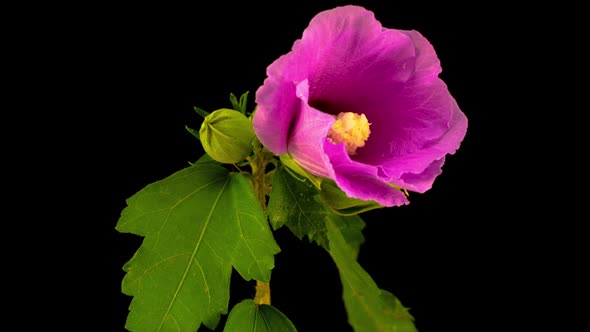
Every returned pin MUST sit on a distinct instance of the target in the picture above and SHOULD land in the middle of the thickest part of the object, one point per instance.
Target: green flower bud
(227, 135)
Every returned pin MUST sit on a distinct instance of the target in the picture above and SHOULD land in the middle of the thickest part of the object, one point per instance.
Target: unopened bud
(227, 135)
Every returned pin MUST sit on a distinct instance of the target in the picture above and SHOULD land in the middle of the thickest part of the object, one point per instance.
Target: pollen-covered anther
(352, 129)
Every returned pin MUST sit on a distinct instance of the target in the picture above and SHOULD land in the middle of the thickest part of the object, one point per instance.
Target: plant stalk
(261, 188)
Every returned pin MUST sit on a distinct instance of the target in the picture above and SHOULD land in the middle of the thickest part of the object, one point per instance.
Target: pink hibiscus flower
(362, 105)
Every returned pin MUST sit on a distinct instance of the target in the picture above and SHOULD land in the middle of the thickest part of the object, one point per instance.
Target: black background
(454, 255)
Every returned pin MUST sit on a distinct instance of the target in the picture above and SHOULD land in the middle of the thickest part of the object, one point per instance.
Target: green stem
(262, 188)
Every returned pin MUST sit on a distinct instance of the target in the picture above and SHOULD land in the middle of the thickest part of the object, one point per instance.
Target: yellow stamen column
(352, 129)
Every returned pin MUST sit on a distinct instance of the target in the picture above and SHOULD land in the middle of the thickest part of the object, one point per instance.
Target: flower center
(352, 129)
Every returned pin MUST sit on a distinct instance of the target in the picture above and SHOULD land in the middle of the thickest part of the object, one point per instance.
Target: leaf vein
(260, 268)
(301, 209)
(195, 250)
(171, 208)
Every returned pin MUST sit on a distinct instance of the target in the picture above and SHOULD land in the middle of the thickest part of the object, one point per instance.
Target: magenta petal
(418, 119)
(277, 107)
(420, 182)
(423, 181)
(349, 52)
(308, 134)
(360, 180)
(427, 63)
(410, 119)
(417, 171)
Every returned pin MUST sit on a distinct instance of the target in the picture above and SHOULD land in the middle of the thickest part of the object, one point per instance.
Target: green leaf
(296, 203)
(247, 316)
(200, 111)
(235, 104)
(197, 224)
(369, 308)
(351, 229)
(242, 104)
(193, 132)
(244, 101)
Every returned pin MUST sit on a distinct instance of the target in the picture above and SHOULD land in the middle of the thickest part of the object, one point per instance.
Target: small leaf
(369, 308)
(241, 105)
(234, 102)
(244, 102)
(200, 111)
(193, 132)
(247, 316)
(197, 224)
(296, 204)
